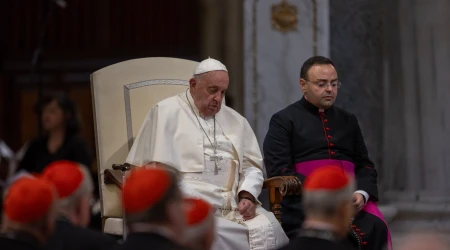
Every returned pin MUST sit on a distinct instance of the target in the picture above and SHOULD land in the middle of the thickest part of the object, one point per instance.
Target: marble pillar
(222, 40)
(417, 126)
(272, 59)
(356, 47)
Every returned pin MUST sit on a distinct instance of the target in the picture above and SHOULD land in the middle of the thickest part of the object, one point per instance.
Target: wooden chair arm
(287, 185)
(278, 187)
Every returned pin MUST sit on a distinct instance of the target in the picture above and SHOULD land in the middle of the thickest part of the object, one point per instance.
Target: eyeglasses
(324, 84)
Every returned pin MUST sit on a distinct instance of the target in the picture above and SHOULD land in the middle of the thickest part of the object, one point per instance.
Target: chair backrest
(122, 94)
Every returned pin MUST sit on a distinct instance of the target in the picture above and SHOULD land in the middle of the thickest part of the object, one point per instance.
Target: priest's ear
(303, 84)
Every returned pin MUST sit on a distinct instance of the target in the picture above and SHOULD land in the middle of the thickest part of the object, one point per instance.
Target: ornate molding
(284, 17)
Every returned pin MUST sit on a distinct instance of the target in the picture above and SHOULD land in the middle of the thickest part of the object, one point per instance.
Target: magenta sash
(306, 168)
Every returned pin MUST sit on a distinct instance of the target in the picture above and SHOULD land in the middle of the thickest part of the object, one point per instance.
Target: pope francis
(216, 155)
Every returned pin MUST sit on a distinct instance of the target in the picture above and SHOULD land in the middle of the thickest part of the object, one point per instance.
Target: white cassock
(172, 134)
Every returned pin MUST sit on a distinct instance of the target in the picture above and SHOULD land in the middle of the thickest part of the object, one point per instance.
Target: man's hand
(358, 201)
(247, 209)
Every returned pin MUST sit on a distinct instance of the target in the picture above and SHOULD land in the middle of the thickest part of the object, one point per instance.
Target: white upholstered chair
(122, 94)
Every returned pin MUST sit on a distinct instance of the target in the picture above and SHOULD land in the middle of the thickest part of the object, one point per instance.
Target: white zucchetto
(209, 65)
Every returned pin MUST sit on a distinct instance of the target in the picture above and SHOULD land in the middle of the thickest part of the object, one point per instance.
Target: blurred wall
(80, 39)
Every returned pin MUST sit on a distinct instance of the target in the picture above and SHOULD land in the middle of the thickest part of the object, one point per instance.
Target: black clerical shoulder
(19, 241)
(144, 241)
(68, 236)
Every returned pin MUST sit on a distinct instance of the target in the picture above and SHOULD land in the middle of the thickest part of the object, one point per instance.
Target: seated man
(154, 211)
(29, 214)
(312, 133)
(328, 205)
(216, 155)
(75, 188)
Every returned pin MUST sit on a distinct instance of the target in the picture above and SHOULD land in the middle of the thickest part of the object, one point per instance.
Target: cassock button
(332, 152)
(329, 137)
(326, 120)
(328, 129)
(331, 144)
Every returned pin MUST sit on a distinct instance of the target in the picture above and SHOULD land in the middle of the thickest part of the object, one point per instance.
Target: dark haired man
(313, 133)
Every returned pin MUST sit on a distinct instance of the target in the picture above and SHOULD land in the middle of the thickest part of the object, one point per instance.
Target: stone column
(417, 117)
(233, 48)
(418, 92)
(356, 49)
(211, 35)
(222, 39)
(272, 59)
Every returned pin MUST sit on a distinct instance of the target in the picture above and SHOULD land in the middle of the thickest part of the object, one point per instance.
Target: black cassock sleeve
(365, 173)
(277, 148)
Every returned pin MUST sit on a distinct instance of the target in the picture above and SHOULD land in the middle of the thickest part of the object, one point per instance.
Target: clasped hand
(247, 209)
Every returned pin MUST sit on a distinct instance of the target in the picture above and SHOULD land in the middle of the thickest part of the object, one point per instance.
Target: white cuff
(364, 193)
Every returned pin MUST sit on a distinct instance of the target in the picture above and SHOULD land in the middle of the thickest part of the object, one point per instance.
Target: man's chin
(327, 104)
(212, 111)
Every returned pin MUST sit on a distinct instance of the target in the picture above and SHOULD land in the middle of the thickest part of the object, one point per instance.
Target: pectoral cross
(216, 160)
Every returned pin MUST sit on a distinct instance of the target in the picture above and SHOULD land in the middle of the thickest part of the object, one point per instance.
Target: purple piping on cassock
(306, 168)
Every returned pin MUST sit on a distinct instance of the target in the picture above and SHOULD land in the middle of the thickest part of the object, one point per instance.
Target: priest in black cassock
(328, 206)
(312, 133)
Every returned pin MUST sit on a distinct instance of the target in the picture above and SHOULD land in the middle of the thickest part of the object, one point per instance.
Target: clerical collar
(310, 107)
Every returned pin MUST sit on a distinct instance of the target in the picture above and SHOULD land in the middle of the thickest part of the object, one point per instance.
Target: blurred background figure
(60, 139)
(29, 214)
(75, 188)
(200, 224)
(328, 206)
(424, 241)
(154, 211)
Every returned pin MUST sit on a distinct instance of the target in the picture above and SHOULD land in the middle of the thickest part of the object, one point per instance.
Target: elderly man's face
(321, 85)
(208, 91)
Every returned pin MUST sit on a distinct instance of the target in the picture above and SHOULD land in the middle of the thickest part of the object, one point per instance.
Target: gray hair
(325, 203)
(196, 234)
(86, 188)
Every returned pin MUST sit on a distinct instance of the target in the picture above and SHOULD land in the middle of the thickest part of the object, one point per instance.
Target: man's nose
(218, 97)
